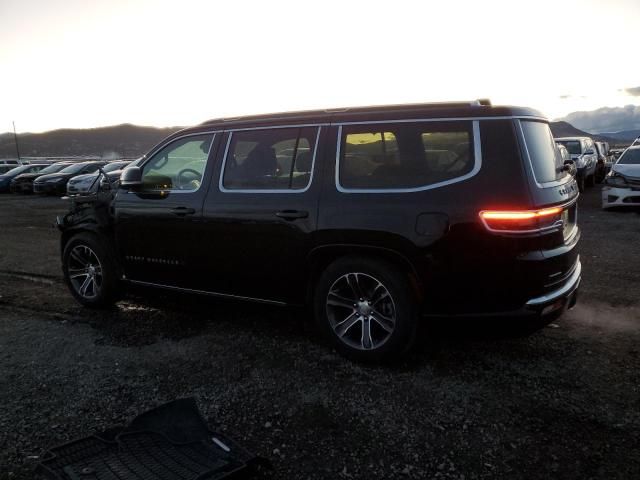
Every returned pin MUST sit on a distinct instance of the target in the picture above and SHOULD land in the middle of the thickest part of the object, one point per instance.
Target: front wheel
(580, 180)
(90, 271)
(366, 308)
(590, 180)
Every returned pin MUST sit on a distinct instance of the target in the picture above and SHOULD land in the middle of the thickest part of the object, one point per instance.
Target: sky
(81, 63)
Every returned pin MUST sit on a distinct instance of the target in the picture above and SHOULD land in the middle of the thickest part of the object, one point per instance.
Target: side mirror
(131, 179)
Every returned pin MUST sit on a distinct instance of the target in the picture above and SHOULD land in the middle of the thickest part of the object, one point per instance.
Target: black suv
(376, 217)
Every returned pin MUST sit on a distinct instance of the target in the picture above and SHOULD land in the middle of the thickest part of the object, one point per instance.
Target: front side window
(270, 159)
(404, 155)
(179, 165)
(546, 161)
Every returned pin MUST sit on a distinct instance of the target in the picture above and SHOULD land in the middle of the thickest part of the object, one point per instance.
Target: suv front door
(156, 227)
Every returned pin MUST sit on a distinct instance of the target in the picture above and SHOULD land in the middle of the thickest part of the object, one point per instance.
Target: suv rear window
(545, 159)
(404, 155)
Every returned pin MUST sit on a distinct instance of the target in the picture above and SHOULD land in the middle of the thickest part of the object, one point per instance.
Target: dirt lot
(471, 402)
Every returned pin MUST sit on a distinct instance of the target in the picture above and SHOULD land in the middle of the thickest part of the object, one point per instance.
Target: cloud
(606, 119)
(567, 96)
(633, 91)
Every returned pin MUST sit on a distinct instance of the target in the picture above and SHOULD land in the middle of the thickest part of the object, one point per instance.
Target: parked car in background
(23, 183)
(6, 168)
(603, 164)
(355, 213)
(82, 184)
(5, 178)
(564, 153)
(56, 183)
(622, 184)
(615, 153)
(583, 153)
(12, 162)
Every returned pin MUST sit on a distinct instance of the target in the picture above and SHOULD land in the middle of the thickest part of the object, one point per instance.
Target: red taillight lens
(521, 221)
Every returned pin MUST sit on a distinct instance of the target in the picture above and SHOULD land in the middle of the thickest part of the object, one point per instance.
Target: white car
(622, 184)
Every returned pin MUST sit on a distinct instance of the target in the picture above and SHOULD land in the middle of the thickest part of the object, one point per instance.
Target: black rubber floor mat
(171, 442)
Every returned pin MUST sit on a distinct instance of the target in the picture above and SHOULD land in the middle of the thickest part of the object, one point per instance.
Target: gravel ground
(473, 401)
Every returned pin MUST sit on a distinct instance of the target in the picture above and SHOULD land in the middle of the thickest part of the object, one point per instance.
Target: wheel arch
(321, 257)
(87, 227)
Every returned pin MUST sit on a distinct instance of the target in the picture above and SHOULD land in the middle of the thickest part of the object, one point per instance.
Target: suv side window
(178, 165)
(404, 155)
(271, 159)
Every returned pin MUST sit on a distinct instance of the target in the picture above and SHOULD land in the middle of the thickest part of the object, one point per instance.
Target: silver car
(83, 184)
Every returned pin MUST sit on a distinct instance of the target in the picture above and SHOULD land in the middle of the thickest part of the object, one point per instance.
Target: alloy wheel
(85, 271)
(361, 311)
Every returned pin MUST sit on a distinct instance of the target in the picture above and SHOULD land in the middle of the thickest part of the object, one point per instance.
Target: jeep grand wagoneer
(376, 217)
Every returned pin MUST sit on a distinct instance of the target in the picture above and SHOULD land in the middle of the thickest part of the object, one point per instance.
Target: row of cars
(59, 178)
(617, 169)
(593, 160)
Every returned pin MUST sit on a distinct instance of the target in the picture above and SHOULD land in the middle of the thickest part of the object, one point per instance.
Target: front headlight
(52, 180)
(615, 180)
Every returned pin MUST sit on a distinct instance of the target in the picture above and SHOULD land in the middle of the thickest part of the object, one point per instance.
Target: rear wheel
(90, 271)
(366, 308)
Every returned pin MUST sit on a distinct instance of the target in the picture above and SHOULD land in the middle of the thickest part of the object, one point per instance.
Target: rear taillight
(522, 221)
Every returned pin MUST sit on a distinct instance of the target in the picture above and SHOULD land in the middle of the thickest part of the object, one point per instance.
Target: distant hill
(565, 129)
(624, 136)
(118, 141)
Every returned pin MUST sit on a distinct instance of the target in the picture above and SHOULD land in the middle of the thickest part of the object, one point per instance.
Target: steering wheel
(183, 182)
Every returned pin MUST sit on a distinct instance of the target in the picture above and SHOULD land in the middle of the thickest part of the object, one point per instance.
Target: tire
(580, 180)
(388, 311)
(590, 180)
(90, 270)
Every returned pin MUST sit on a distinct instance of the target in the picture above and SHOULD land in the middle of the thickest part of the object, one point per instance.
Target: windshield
(630, 157)
(15, 171)
(75, 168)
(53, 168)
(110, 167)
(545, 158)
(573, 146)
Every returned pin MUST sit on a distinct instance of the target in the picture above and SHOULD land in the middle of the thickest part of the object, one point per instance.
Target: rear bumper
(564, 296)
(620, 197)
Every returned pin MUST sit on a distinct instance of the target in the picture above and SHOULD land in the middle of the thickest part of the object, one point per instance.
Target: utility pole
(15, 135)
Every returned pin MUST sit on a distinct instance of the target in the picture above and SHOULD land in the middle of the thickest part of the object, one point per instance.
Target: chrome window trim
(477, 154)
(554, 183)
(223, 189)
(444, 119)
(269, 127)
(169, 142)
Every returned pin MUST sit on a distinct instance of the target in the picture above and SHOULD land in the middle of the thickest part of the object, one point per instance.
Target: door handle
(180, 211)
(292, 214)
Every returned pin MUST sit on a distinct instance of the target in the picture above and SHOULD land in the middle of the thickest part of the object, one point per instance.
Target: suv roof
(572, 138)
(475, 108)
